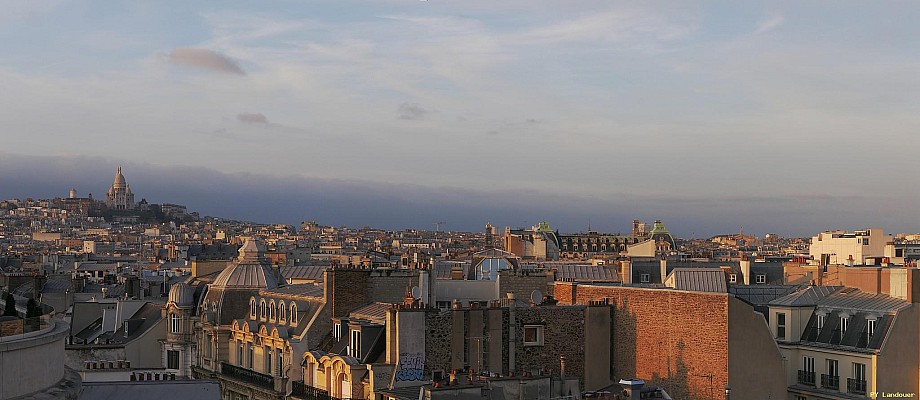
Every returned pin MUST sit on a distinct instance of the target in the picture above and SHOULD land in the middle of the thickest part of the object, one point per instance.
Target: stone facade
(492, 339)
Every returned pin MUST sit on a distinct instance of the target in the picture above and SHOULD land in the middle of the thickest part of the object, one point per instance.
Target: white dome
(249, 271)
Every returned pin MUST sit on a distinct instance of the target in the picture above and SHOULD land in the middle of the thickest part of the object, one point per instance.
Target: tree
(10, 309)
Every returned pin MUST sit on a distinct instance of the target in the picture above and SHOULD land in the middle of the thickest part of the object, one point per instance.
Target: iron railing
(807, 377)
(248, 376)
(856, 386)
(830, 381)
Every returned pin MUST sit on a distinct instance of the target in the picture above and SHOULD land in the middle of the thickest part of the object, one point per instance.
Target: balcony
(807, 377)
(830, 381)
(856, 386)
(248, 376)
(302, 391)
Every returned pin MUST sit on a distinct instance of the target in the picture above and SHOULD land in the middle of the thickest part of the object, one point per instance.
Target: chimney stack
(746, 269)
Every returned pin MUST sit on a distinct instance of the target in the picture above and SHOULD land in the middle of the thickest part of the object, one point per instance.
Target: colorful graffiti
(411, 367)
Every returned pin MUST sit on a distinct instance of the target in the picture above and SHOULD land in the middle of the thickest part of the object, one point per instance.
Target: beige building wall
(898, 364)
(796, 321)
(755, 363)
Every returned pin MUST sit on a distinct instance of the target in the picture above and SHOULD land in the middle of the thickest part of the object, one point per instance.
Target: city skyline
(786, 118)
(290, 200)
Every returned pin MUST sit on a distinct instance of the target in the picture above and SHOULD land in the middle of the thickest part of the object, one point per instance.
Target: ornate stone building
(119, 196)
(180, 349)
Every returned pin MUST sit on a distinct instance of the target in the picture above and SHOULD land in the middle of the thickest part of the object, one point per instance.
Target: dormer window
(271, 310)
(820, 321)
(337, 331)
(252, 308)
(262, 309)
(761, 278)
(294, 314)
(282, 310)
(844, 323)
(354, 349)
(870, 329)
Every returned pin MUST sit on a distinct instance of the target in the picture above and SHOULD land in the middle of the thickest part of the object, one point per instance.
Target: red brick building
(692, 344)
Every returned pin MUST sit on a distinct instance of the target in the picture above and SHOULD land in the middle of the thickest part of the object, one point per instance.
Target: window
(279, 362)
(249, 356)
(294, 314)
(808, 364)
(262, 308)
(761, 278)
(443, 305)
(533, 335)
(821, 318)
(337, 331)
(172, 359)
(732, 278)
(239, 355)
(283, 311)
(355, 349)
(175, 323)
(844, 322)
(252, 308)
(870, 329)
(271, 310)
(832, 368)
(644, 278)
(859, 371)
(797, 397)
(267, 359)
(781, 326)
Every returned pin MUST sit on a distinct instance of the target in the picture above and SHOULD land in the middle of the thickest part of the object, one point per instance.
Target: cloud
(204, 59)
(411, 111)
(772, 22)
(252, 118)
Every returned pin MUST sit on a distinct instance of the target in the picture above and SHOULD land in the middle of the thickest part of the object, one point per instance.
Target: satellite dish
(416, 293)
(536, 297)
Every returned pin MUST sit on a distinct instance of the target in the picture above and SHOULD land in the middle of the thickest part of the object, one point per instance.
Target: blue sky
(671, 103)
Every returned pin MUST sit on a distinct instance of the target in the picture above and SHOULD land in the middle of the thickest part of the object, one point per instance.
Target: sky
(784, 117)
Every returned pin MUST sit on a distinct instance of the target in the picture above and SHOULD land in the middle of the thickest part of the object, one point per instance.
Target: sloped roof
(855, 299)
(699, 280)
(314, 272)
(586, 273)
(374, 312)
(761, 294)
(806, 296)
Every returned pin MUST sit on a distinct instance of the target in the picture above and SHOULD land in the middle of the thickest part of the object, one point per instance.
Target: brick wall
(524, 285)
(346, 289)
(390, 286)
(674, 339)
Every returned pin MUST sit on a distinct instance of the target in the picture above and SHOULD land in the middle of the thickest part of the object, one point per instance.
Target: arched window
(262, 308)
(282, 310)
(271, 310)
(252, 308)
(294, 314)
